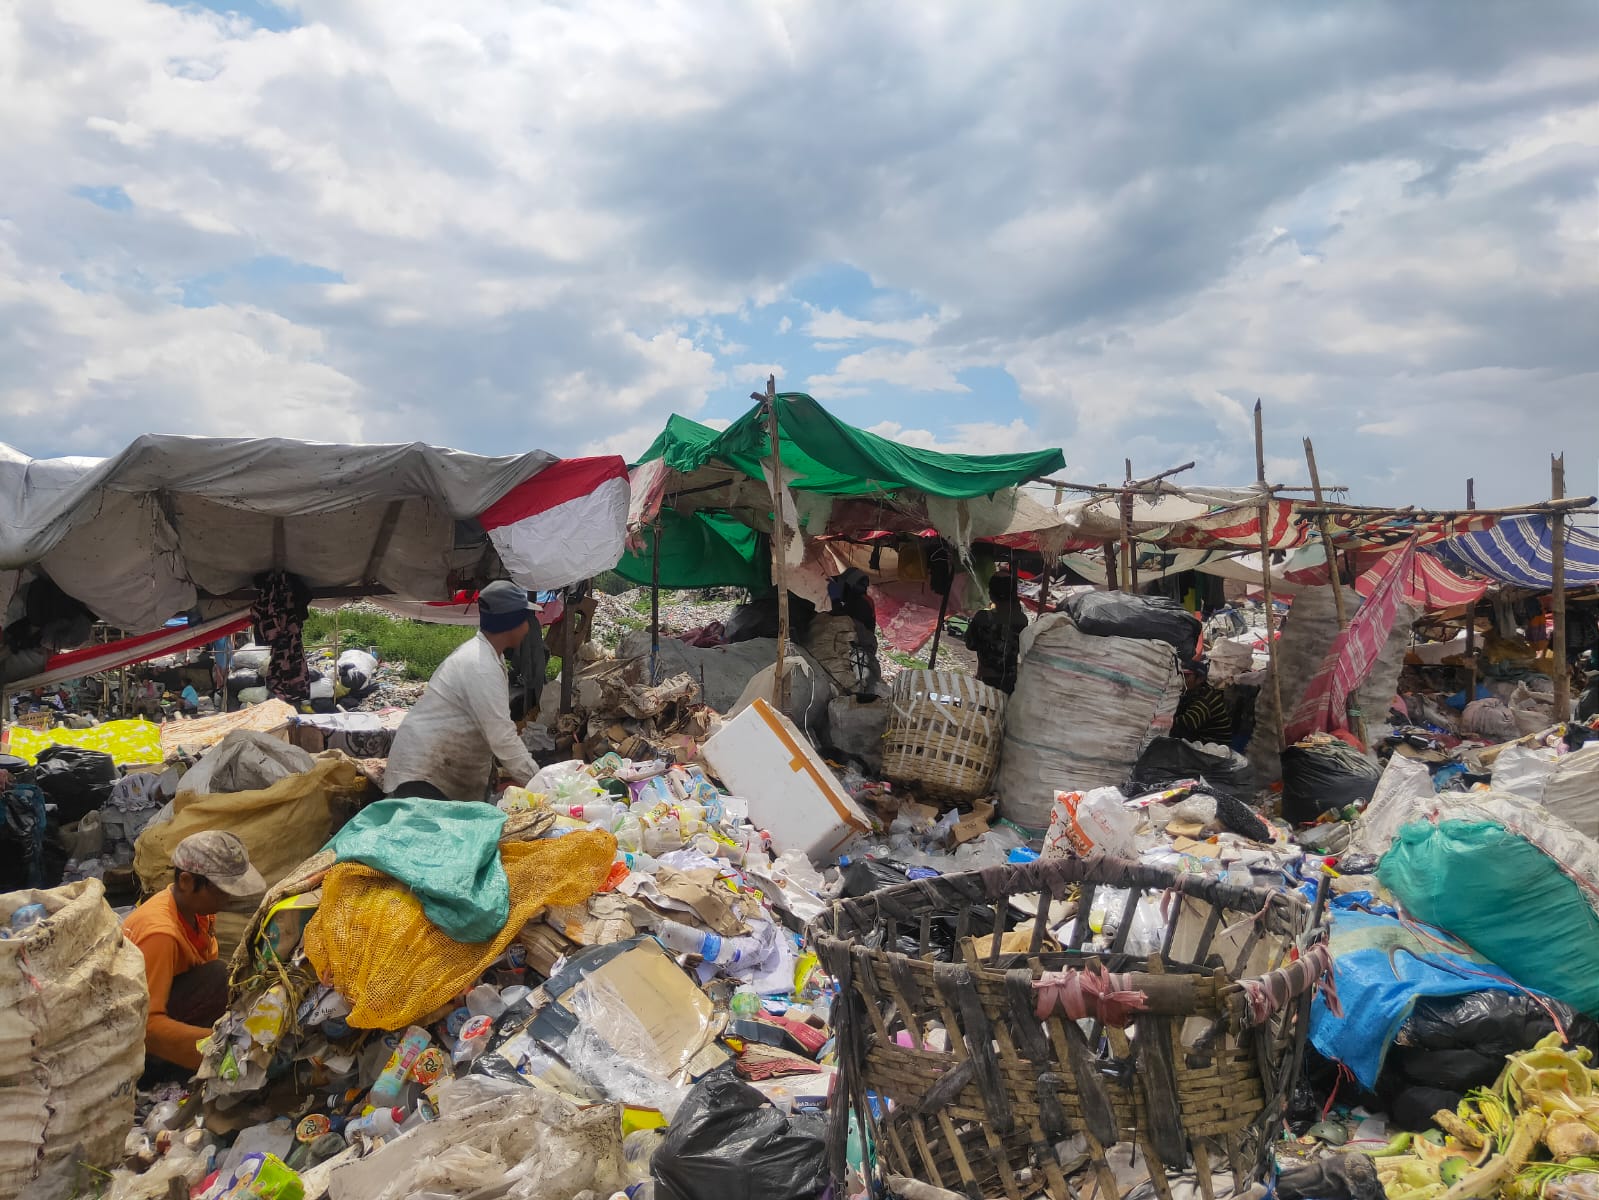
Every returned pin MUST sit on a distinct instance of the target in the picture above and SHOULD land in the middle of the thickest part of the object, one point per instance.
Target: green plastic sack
(1505, 898)
(446, 851)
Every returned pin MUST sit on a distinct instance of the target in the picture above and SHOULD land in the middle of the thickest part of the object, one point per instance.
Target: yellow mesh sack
(370, 939)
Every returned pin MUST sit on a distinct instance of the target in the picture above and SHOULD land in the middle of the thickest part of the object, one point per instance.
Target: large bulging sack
(75, 779)
(1505, 898)
(73, 1004)
(1150, 618)
(1083, 709)
(1307, 634)
(1325, 778)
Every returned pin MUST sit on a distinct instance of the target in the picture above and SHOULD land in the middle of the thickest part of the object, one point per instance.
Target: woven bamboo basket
(1021, 1065)
(943, 734)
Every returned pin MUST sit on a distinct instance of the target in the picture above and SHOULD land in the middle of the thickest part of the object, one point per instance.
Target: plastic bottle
(379, 1123)
(603, 812)
(682, 939)
(638, 861)
(746, 1002)
(391, 1082)
(27, 917)
(629, 833)
(638, 1148)
(484, 1001)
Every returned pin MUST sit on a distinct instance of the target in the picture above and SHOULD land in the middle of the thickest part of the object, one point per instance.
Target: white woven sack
(73, 1004)
(1083, 710)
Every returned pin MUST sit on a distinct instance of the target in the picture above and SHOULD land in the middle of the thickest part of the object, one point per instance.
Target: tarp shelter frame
(786, 467)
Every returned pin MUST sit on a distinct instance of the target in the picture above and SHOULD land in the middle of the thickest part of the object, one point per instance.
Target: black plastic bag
(727, 1141)
(1494, 1024)
(75, 780)
(1347, 1176)
(1413, 1107)
(33, 853)
(1166, 760)
(1152, 618)
(1318, 779)
(870, 875)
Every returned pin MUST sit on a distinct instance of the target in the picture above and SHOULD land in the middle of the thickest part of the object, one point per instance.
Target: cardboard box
(762, 758)
(974, 824)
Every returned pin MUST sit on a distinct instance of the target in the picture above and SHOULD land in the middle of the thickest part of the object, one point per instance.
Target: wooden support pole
(1110, 566)
(655, 603)
(1471, 616)
(1265, 577)
(779, 549)
(938, 629)
(1557, 577)
(1357, 719)
(569, 647)
(1129, 572)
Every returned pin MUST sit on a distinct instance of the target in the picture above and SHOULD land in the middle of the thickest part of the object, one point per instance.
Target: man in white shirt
(447, 746)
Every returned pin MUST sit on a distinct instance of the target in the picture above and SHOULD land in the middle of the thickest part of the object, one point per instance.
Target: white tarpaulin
(139, 536)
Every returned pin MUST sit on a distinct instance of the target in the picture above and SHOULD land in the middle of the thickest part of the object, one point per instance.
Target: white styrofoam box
(763, 758)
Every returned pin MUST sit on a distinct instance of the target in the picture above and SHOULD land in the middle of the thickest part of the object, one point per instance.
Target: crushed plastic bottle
(746, 1002)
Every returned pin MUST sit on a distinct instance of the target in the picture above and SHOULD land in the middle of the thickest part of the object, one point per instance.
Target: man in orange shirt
(174, 930)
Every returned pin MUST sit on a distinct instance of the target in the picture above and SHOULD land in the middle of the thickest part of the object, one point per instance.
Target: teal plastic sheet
(1505, 898)
(446, 851)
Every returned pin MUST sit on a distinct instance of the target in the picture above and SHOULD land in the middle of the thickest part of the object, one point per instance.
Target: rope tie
(1102, 996)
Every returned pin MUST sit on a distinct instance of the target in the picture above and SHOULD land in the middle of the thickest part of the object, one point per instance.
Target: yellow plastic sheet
(371, 940)
(129, 743)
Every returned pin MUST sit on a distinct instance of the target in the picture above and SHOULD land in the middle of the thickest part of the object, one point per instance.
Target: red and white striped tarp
(1352, 655)
(1430, 586)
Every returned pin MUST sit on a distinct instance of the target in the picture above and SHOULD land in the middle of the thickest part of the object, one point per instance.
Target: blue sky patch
(112, 198)
(260, 13)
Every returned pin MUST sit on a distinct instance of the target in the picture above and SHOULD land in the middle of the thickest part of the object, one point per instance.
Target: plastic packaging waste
(473, 1040)
(485, 1001)
(727, 1129)
(746, 1002)
(391, 1081)
(26, 917)
(637, 1150)
(379, 1123)
(1089, 825)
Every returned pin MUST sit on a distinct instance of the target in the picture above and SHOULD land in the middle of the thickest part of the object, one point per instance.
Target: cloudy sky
(498, 224)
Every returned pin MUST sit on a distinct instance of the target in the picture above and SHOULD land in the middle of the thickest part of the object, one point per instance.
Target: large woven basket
(1016, 1069)
(943, 735)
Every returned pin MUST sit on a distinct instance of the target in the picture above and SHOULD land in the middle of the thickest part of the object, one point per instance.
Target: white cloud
(980, 437)
(544, 218)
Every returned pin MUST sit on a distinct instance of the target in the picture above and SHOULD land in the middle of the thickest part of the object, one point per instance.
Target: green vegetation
(420, 646)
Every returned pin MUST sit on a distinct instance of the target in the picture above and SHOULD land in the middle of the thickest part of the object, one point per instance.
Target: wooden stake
(569, 647)
(1557, 576)
(1265, 576)
(1471, 616)
(779, 550)
(1129, 570)
(1110, 566)
(1357, 720)
(938, 629)
(655, 604)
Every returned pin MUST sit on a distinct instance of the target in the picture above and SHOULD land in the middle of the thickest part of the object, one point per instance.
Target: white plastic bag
(245, 761)
(1090, 825)
(1524, 771)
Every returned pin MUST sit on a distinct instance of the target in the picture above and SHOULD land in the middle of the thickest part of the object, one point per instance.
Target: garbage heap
(598, 986)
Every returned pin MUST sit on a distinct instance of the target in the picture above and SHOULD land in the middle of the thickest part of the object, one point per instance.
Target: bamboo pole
(779, 550)
(1564, 505)
(1129, 581)
(1265, 576)
(1357, 719)
(1471, 616)
(938, 629)
(1557, 577)
(569, 647)
(655, 604)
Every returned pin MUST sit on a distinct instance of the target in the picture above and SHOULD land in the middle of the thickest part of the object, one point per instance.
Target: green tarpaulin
(826, 455)
(702, 549)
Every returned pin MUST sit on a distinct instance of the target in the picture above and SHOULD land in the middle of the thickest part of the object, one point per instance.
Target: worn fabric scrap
(371, 940)
(447, 853)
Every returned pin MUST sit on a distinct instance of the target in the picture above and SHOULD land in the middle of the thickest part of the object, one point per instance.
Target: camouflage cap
(221, 858)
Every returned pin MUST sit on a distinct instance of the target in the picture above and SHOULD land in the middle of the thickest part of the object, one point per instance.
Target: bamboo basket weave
(943, 734)
(1178, 1061)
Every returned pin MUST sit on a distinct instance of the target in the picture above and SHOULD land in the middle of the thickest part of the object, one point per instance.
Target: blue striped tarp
(1517, 551)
